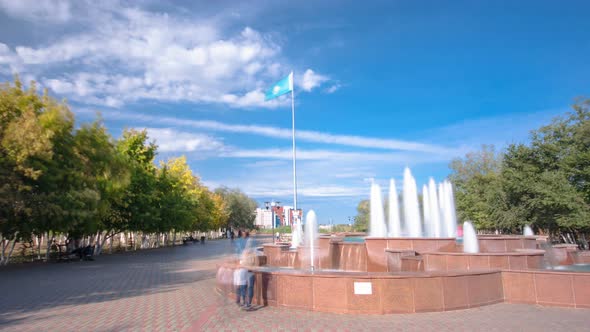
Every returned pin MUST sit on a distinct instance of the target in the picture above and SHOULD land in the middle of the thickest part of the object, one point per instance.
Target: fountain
(470, 244)
(377, 222)
(311, 236)
(296, 234)
(449, 210)
(433, 207)
(411, 208)
(438, 210)
(395, 229)
(428, 222)
(414, 270)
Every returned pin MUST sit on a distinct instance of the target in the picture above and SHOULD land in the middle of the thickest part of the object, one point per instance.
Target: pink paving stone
(172, 289)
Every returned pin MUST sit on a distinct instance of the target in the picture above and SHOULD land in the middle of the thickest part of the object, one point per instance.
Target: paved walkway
(173, 289)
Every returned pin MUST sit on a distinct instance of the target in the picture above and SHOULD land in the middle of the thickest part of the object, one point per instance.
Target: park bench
(80, 253)
(189, 239)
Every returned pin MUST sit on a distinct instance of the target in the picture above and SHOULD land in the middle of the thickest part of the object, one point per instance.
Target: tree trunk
(101, 240)
(563, 237)
(40, 237)
(97, 244)
(3, 249)
(49, 242)
(174, 239)
(111, 245)
(7, 258)
(569, 237)
(123, 240)
(104, 238)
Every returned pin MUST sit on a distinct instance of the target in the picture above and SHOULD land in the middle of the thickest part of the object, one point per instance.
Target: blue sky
(379, 85)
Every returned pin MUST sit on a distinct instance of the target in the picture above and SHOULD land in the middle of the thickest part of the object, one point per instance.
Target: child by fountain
(250, 289)
(240, 283)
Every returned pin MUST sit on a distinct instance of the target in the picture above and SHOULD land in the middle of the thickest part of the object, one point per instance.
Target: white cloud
(117, 55)
(284, 190)
(9, 61)
(311, 80)
(284, 133)
(337, 156)
(171, 140)
(333, 88)
(56, 11)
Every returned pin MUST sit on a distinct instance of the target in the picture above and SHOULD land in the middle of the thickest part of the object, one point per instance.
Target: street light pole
(277, 205)
(272, 214)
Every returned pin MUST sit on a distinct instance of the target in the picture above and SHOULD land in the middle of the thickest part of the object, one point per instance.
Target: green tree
(106, 172)
(24, 143)
(140, 202)
(546, 182)
(240, 207)
(478, 188)
(361, 220)
(179, 199)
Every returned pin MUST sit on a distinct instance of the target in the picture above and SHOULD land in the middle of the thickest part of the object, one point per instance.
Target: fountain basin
(375, 292)
(517, 260)
(377, 257)
(573, 268)
(410, 292)
(544, 287)
(353, 239)
(495, 243)
(406, 275)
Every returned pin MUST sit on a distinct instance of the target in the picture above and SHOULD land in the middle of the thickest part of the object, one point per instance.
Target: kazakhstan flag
(280, 88)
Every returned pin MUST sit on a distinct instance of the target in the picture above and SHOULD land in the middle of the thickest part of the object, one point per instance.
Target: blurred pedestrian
(251, 280)
(240, 283)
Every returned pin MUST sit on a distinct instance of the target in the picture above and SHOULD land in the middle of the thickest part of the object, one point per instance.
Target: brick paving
(173, 289)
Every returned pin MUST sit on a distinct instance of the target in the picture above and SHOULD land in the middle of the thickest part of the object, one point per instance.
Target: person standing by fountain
(250, 290)
(240, 282)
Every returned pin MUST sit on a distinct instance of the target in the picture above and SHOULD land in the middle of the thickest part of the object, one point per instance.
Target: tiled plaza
(173, 289)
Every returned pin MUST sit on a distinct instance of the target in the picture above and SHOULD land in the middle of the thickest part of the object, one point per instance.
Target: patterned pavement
(173, 289)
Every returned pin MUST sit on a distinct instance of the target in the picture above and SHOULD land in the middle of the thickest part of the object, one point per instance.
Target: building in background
(295, 214)
(284, 215)
(263, 218)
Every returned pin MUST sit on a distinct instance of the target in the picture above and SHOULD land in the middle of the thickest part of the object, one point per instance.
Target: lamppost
(267, 206)
(272, 206)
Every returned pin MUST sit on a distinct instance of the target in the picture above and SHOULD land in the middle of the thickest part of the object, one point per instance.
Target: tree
(546, 183)
(478, 191)
(46, 190)
(140, 203)
(106, 171)
(179, 200)
(240, 207)
(361, 220)
(24, 143)
(220, 213)
(82, 184)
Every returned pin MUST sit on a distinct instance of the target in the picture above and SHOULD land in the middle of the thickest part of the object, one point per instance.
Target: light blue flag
(280, 88)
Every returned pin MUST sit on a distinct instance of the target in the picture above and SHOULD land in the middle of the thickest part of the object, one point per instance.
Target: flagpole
(294, 153)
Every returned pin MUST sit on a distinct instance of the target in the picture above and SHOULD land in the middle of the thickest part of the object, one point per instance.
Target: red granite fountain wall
(405, 275)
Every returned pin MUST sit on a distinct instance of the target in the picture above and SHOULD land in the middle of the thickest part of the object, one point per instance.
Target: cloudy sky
(379, 85)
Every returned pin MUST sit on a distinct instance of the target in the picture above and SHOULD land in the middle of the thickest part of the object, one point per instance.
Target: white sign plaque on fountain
(363, 288)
